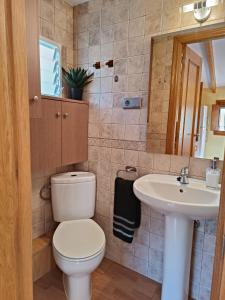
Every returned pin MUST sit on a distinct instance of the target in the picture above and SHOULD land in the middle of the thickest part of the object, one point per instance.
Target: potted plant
(76, 79)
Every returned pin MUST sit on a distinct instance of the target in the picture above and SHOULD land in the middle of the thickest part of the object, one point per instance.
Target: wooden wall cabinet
(64, 132)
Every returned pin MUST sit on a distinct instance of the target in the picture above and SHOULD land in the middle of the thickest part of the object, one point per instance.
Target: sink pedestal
(177, 257)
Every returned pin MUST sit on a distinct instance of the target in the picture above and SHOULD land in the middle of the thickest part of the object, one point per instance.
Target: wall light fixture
(201, 9)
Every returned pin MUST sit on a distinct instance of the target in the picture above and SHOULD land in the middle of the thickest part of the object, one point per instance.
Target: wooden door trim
(15, 173)
(189, 55)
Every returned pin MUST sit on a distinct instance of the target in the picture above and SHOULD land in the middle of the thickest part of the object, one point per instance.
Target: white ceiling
(219, 61)
(76, 2)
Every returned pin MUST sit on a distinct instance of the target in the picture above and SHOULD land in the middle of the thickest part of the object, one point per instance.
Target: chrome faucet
(183, 178)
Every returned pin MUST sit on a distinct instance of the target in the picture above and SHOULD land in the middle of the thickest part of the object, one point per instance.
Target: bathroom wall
(56, 23)
(122, 30)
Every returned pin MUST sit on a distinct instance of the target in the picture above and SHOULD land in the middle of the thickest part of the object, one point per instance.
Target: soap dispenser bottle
(213, 174)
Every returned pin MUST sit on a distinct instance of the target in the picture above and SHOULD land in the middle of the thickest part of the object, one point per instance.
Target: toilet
(78, 242)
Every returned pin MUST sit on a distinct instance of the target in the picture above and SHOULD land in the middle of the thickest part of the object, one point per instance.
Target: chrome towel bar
(128, 169)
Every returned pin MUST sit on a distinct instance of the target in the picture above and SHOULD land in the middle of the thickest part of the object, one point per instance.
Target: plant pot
(75, 93)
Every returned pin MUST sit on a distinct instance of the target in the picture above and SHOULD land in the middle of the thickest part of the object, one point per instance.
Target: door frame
(15, 171)
(179, 45)
(196, 60)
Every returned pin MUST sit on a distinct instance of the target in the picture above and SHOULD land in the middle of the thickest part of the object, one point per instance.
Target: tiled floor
(110, 282)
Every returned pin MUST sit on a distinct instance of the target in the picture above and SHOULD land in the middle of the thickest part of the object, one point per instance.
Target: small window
(222, 119)
(50, 65)
(218, 117)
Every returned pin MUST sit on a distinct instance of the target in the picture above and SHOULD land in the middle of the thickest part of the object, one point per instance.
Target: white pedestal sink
(181, 204)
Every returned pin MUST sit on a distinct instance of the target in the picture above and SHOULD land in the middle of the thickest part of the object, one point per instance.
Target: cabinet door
(33, 63)
(52, 122)
(74, 132)
(46, 138)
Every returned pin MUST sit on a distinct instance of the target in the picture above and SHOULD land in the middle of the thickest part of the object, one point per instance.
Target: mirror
(187, 96)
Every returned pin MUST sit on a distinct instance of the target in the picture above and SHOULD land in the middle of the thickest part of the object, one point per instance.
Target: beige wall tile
(153, 24)
(161, 162)
(120, 67)
(121, 84)
(136, 46)
(120, 31)
(171, 19)
(61, 5)
(132, 132)
(94, 37)
(47, 12)
(83, 40)
(47, 29)
(137, 27)
(60, 19)
(120, 49)
(107, 34)
(121, 13)
(107, 53)
(137, 8)
(198, 167)
(136, 65)
(118, 131)
(178, 162)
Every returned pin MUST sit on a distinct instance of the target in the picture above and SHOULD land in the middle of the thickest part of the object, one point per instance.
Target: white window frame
(60, 61)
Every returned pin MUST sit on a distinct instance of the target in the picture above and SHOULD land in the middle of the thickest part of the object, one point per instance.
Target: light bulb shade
(200, 5)
(202, 14)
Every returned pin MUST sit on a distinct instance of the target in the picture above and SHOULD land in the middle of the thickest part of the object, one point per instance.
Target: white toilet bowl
(78, 248)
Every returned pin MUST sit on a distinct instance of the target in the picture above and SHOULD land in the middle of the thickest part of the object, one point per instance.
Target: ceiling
(76, 2)
(219, 61)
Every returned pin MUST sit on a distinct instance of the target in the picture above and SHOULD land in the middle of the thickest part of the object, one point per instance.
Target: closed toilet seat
(79, 240)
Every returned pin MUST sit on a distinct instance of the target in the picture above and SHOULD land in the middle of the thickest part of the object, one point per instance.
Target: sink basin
(166, 195)
(181, 204)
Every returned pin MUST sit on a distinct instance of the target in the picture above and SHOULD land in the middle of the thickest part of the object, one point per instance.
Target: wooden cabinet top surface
(84, 102)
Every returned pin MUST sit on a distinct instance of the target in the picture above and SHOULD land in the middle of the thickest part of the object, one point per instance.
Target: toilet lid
(78, 239)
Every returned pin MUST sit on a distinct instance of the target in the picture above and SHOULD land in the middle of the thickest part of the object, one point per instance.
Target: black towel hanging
(127, 210)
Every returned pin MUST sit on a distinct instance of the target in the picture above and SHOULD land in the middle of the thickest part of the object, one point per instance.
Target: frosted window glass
(222, 119)
(50, 65)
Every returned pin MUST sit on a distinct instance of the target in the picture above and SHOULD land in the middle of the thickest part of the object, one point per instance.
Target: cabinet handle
(65, 115)
(58, 114)
(36, 98)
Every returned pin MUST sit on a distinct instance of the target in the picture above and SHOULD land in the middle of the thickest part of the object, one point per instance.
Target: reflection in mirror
(194, 125)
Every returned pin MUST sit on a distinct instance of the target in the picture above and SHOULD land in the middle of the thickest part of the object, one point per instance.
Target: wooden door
(33, 61)
(52, 135)
(15, 175)
(74, 132)
(190, 102)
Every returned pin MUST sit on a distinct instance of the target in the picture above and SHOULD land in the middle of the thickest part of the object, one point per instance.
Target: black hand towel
(127, 210)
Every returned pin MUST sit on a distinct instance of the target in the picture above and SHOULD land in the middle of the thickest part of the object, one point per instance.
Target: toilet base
(77, 288)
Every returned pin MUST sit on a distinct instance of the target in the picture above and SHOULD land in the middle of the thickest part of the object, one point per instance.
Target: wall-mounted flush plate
(131, 103)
